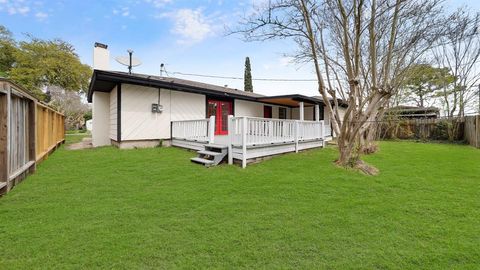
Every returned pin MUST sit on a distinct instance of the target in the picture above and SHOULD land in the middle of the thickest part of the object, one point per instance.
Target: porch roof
(291, 100)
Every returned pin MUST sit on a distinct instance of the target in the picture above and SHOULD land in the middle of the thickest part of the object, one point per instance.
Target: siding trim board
(119, 112)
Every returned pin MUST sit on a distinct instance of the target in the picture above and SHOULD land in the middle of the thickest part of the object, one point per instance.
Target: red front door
(221, 110)
(267, 111)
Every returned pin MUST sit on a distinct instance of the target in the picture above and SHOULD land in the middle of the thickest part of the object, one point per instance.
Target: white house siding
(140, 123)
(113, 114)
(248, 108)
(188, 106)
(101, 119)
(255, 109)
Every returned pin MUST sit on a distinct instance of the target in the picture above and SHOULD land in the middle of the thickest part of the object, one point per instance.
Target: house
(413, 112)
(138, 110)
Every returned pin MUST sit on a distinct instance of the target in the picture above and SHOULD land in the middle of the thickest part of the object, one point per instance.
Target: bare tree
(358, 49)
(459, 50)
(69, 103)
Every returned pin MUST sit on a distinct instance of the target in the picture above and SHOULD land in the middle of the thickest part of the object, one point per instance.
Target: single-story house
(138, 110)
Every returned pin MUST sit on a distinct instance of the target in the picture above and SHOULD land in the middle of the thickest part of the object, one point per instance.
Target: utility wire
(241, 78)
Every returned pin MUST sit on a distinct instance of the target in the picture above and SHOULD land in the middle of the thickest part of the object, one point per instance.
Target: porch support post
(296, 136)
(244, 142)
(230, 139)
(211, 129)
(317, 112)
(301, 111)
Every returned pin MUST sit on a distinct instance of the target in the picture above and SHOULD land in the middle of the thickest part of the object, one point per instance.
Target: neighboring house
(137, 110)
(89, 124)
(413, 112)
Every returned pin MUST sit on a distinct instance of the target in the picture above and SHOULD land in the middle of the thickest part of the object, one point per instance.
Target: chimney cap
(101, 45)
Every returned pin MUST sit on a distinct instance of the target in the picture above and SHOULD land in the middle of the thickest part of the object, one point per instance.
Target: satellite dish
(125, 60)
(128, 61)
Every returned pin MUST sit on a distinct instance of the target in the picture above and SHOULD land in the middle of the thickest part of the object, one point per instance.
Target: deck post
(211, 129)
(230, 139)
(301, 111)
(244, 142)
(323, 133)
(296, 136)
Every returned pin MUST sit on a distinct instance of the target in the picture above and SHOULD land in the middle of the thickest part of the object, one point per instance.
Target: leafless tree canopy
(358, 49)
(70, 103)
(459, 51)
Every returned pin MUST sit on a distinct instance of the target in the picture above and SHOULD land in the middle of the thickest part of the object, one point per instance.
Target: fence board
(472, 130)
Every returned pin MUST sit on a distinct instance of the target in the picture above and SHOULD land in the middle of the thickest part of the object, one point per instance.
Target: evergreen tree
(248, 86)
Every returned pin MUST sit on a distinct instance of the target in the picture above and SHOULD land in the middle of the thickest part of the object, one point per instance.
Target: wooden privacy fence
(422, 129)
(50, 130)
(459, 129)
(472, 130)
(29, 131)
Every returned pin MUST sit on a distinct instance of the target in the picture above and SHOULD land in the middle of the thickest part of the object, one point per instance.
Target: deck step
(210, 153)
(204, 161)
(217, 146)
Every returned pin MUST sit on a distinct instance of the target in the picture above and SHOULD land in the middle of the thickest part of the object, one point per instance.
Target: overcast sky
(188, 36)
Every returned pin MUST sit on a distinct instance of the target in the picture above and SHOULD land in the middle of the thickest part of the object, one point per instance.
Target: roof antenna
(128, 61)
(163, 69)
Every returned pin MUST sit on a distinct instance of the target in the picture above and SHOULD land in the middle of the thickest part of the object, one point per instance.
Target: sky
(187, 36)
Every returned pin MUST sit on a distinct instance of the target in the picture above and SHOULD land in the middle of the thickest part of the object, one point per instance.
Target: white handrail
(194, 130)
(249, 131)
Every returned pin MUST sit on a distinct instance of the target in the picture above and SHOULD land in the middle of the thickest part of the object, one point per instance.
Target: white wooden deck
(251, 137)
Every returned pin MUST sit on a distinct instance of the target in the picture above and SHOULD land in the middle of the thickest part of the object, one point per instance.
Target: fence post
(9, 126)
(211, 129)
(478, 131)
(296, 135)
(230, 139)
(4, 122)
(244, 142)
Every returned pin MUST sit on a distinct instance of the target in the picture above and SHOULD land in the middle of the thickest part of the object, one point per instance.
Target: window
(282, 113)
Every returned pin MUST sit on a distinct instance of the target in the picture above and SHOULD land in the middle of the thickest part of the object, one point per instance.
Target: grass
(75, 137)
(152, 208)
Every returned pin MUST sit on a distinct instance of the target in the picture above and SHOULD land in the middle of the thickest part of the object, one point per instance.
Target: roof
(413, 111)
(340, 101)
(290, 100)
(104, 81)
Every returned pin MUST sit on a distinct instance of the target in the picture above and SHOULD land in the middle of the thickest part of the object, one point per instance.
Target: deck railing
(201, 130)
(254, 134)
(261, 131)
(247, 132)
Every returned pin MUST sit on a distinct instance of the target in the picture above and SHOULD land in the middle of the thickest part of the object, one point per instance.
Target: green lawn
(152, 208)
(75, 137)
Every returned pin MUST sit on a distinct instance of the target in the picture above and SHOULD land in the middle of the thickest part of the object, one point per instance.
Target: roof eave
(124, 78)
